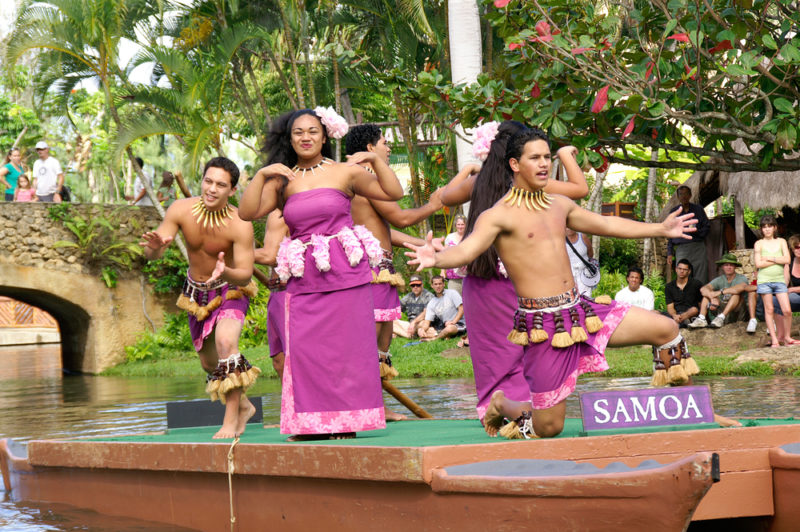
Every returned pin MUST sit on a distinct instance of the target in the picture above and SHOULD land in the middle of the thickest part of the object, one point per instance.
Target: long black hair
(491, 184)
(278, 145)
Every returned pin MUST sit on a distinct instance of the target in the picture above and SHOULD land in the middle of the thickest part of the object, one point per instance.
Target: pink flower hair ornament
(484, 135)
(334, 123)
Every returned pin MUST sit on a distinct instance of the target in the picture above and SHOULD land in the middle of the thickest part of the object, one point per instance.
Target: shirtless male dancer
(527, 227)
(218, 283)
(376, 215)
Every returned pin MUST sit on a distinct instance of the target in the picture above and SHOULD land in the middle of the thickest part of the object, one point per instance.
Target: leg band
(232, 372)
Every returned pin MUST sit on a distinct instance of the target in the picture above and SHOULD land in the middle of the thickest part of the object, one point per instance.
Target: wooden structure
(17, 314)
(619, 208)
(453, 477)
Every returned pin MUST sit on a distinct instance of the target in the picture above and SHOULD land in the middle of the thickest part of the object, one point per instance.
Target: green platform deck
(411, 433)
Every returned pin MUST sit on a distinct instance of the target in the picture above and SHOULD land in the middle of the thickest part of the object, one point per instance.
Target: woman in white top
(582, 245)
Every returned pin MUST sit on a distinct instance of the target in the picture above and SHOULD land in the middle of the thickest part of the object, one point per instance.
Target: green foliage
(640, 73)
(618, 254)
(97, 240)
(168, 272)
(173, 337)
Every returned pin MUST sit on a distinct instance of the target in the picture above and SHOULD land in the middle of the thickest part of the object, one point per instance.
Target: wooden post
(739, 223)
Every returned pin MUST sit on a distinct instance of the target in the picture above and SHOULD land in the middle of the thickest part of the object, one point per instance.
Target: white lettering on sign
(597, 408)
(691, 404)
(648, 410)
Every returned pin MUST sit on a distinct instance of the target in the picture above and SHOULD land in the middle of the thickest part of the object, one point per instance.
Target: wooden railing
(15, 313)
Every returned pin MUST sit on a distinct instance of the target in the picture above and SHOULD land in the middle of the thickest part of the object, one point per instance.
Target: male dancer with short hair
(218, 285)
(377, 215)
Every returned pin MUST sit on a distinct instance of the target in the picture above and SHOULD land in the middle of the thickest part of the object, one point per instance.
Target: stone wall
(27, 233)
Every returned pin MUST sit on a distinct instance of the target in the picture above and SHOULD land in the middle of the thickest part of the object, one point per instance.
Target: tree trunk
(465, 57)
(596, 205)
(287, 35)
(738, 221)
(649, 210)
(278, 68)
(408, 136)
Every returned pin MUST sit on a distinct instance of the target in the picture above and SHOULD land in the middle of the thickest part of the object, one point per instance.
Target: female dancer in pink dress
(331, 379)
(489, 297)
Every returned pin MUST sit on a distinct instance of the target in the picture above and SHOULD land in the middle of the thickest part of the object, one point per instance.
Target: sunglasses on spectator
(415, 284)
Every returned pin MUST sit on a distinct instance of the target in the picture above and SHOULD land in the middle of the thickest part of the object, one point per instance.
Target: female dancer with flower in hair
(331, 380)
(489, 297)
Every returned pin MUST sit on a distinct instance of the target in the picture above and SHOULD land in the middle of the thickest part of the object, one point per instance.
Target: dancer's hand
(219, 268)
(361, 157)
(567, 151)
(679, 226)
(276, 170)
(438, 243)
(154, 241)
(424, 256)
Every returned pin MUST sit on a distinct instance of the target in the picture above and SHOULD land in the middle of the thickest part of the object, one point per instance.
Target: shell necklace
(324, 161)
(205, 217)
(539, 200)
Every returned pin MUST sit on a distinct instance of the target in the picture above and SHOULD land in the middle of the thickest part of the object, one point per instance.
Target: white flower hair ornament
(334, 123)
(484, 135)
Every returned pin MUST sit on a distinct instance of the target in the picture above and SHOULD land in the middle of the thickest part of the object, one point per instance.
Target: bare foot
(726, 421)
(246, 411)
(228, 430)
(343, 436)
(493, 418)
(392, 415)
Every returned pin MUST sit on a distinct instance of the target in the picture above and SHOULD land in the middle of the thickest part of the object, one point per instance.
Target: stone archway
(73, 322)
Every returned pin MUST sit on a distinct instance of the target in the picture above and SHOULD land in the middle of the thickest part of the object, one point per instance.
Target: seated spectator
(413, 304)
(635, 293)
(726, 293)
(683, 294)
(444, 315)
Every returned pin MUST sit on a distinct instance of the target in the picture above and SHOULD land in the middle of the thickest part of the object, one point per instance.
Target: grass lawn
(424, 359)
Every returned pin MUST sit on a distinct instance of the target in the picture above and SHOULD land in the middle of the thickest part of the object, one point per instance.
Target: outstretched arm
(382, 186)
(400, 240)
(261, 194)
(486, 229)
(399, 217)
(459, 189)
(673, 226)
(575, 187)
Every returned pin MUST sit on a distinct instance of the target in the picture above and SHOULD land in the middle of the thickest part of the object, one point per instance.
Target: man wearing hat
(413, 304)
(726, 292)
(48, 178)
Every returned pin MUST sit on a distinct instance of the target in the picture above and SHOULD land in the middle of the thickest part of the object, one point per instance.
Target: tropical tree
(79, 41)
(716, 81)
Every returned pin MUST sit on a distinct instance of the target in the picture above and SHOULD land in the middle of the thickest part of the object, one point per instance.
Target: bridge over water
(96, 322)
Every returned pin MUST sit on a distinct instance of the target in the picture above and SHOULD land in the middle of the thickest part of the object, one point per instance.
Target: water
(37, 402)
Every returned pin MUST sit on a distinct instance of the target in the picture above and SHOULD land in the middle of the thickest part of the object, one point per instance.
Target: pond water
(37, 401)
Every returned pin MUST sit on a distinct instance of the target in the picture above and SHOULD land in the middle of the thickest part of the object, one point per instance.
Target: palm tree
(79, 40)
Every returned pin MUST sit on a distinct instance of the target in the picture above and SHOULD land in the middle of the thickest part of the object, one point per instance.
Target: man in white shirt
(48, 178)
(635, 294)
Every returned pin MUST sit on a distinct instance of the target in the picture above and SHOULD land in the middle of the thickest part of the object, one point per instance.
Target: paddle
(387, 372)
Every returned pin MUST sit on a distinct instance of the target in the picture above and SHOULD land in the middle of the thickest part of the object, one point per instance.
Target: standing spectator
(24, 191)
(693, 250)
(140, 197)
(455, 276)
(48, 177)
(444, 315)
(726, 294)
(683, 294)
(771, 256)
(636, 294)
(579, 250)
(413, 304)
(10, 172)
(792, 276)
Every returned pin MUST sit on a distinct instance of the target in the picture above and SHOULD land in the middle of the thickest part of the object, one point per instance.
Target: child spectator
(771, 256)
(24, 191)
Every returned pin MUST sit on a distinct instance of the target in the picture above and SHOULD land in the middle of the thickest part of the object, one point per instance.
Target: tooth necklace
(324, 160)
(539, 200)
(205, 217)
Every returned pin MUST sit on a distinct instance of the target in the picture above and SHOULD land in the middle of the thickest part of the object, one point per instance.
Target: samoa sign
(649, 407)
